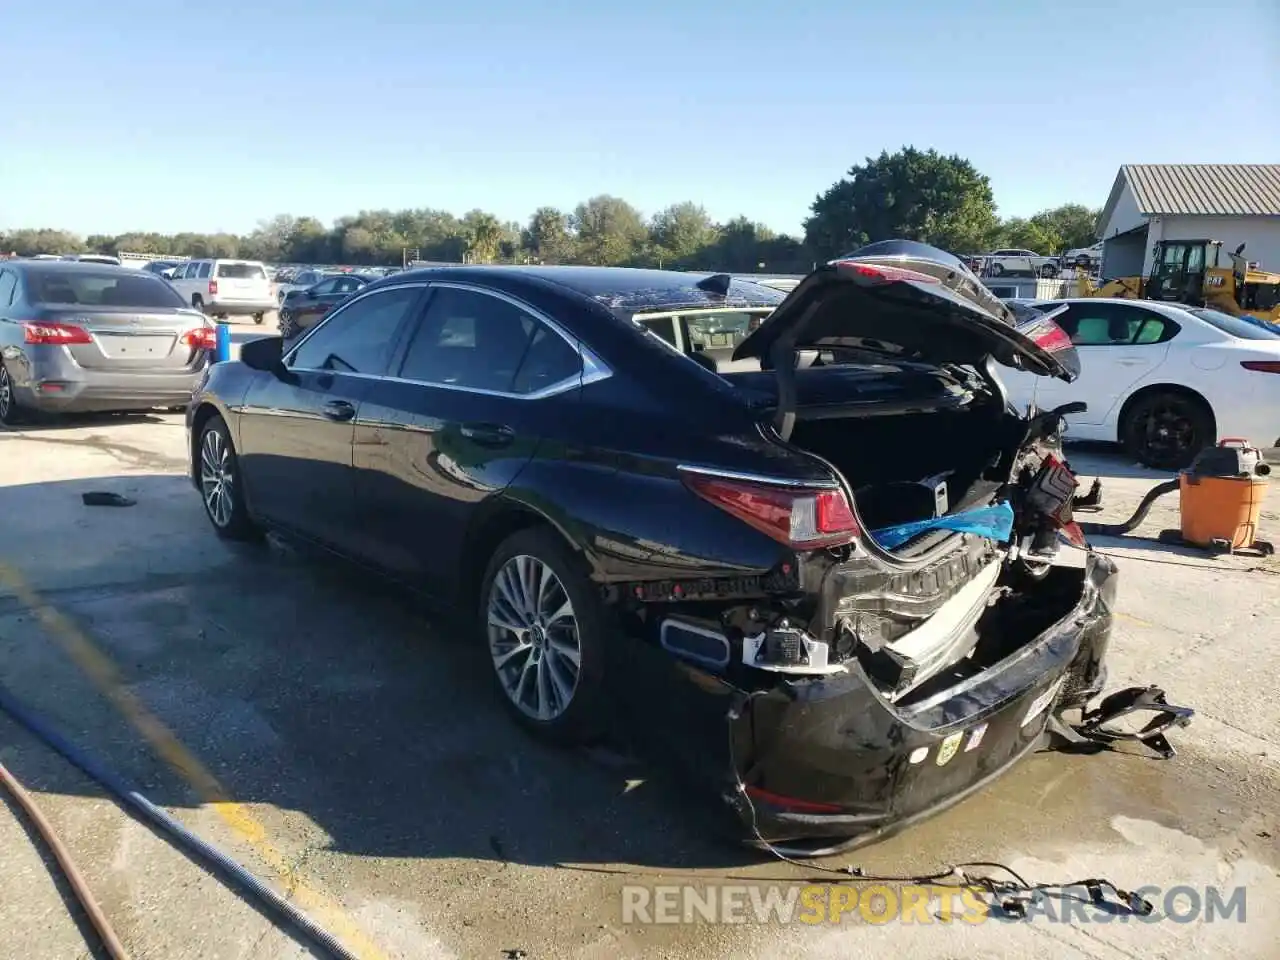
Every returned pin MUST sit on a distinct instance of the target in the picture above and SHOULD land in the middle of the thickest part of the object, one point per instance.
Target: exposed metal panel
(1205, 189)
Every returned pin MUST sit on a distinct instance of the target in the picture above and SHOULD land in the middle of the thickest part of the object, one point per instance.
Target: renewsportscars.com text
(913, 904)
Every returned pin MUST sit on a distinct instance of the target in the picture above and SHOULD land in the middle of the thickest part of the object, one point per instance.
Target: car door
(341, 288)
(482, 380)
(296, 429)
(314, 302)
(1119, 345)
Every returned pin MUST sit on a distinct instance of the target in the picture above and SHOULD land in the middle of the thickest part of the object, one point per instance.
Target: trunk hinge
(782, 356)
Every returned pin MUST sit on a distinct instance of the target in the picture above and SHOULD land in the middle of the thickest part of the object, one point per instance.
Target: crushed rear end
(937, 612)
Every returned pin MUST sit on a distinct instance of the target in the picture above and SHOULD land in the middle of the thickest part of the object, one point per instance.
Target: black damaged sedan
(669, 491)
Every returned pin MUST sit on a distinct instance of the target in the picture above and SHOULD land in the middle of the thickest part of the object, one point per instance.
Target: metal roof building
(1232, 202)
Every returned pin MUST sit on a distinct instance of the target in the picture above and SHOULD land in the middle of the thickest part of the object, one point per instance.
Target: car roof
(624, 290)
(69, 266)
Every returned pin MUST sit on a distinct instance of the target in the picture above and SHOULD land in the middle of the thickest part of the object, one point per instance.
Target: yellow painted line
(104, 675)
(1130, 617)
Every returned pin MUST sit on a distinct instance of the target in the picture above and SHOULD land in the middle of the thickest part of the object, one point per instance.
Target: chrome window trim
(757, 478)
(593, 368)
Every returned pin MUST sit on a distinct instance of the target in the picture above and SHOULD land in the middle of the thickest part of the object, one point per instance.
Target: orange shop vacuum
(1220, 501)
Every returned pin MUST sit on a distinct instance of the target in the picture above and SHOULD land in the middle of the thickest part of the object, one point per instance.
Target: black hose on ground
(229, 870)
(1120, 529)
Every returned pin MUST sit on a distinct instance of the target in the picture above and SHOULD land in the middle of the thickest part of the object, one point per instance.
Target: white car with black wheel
(1165, 380)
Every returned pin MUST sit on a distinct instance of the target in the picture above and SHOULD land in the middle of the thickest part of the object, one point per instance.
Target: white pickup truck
(998, 263)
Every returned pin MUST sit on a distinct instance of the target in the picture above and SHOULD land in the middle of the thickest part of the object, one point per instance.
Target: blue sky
(215, 115)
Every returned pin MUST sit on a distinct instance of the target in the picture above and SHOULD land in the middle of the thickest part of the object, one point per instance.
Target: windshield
(108, 288)
(1240, 327)
(241, 271)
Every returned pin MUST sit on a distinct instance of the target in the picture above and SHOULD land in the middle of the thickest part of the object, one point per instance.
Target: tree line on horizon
(911, 194)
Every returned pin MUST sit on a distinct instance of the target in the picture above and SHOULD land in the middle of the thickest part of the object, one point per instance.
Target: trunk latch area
(1096, 728)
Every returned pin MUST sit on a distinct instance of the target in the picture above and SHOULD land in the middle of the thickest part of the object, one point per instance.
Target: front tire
(288, 325)
(544, 627)
(1166, 430)
(220, 485)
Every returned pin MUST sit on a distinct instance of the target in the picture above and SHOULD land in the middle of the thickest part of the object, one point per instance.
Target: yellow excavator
(1188, 271)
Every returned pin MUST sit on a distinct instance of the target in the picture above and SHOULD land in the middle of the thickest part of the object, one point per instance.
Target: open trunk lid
(911, 301)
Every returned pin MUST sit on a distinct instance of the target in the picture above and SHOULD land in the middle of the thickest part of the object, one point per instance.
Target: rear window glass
(242, 271)
(1235, 326)
(108, 288)
(727, 329)
(721, 328)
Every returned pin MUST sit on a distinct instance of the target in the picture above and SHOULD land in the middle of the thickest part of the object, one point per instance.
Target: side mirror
(267, 354)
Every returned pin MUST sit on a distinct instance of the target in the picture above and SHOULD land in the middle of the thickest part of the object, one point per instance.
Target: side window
(8, 282)
(320, 289)
(359, 338)
(347, 285)
(482, 342)
(1110, 325)
(204, 270)
(548, 361)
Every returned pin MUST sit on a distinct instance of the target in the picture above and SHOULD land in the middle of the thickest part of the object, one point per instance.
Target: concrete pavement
(360, 733)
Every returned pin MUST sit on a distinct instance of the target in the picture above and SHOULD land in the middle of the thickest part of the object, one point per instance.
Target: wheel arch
(502, 516)
(1151, 389)
(202, 414)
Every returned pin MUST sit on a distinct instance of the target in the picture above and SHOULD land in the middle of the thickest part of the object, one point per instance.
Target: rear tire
(1166, 430)
(12, 413)
(221, 490)
(197, 302)
(539, 613)
(259, 317)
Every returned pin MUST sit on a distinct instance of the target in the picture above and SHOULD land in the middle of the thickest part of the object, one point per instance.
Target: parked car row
(1019, 262)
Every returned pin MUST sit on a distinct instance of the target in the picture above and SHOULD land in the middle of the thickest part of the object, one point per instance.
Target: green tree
(609, 231)
(484, 234)
(548, 237)
(911, 194)
(680, 232)
(1072, 223)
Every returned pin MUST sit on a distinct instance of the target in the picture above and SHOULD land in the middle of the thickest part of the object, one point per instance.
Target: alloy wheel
(216, 479)
(533, 638)
(1168, 433)
(6, 394)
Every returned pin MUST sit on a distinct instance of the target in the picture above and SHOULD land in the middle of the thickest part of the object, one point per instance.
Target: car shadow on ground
(309, 685)
(84, 421)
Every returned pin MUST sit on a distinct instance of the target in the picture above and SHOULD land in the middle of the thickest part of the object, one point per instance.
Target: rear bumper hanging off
(1093, 731)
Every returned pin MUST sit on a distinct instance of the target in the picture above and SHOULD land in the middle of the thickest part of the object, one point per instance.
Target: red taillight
(54, 334)
(879, 273)
(1261, 366)
(201, 338)
(213, 288)
(802, 518)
